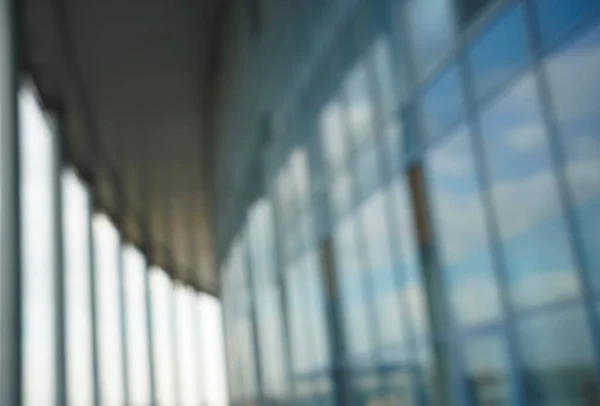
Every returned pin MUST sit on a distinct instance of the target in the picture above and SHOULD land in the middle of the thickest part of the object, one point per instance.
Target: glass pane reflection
(558, 359)
(487, 373)
(556, 17)
(500, 53)
(443, 105)
(575, 85)
(431, 32)
(460, 230)
(524, 188)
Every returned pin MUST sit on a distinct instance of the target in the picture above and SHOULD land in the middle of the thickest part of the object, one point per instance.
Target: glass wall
(78, 290)
(449, 150)
(38, 250)
(149, 349)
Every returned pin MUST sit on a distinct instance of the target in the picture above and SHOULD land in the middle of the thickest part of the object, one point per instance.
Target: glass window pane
(443, 105)
(161, 295)
(430, 24)
(213, 385)
(487, 372)
(382, 277)
(38, 168)
(558, 359)
(500, 53)
(575, 85)
(412, 290)
(333, 135)
(557, 17)
(76, 229)
(359, 103)
(138, 351)
(460, 230)
(269, 317)
(389, 88)
(351, 285)
(524, 188)
(341, 195)
(106, 257)
(186, 319)
(368, 169)
(469, 9)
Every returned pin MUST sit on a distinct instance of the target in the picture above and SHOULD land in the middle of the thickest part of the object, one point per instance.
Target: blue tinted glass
(486, 372)
(368, 169)
(558, 359)
(460, 230)
(350, 276)
(575, 84)
(431, 32)
(499, 54)
(556, 17)
(443, 105)
(534, 236)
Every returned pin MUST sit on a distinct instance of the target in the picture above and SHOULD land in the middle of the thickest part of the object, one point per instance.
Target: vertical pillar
(10, 212)
(149, 327)
(123, 318)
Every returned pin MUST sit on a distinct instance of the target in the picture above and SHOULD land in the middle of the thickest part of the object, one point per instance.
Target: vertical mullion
(150, 332)
(123, 314)
(94, 300)
(11, 354)
(57, 131)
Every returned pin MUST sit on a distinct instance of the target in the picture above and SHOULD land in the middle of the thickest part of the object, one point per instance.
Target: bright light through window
(212, 355)
(106, 256)
(79, 332)
(38, 259)
(161, 290)
(137, 326)
(187, 348)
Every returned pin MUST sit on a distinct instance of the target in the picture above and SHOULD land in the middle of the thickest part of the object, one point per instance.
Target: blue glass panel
(443, 104)
(575, 84)
(558, 359)
(534, 236)
(431, 32)
(487, 372)
(500, 53)
(461, 232)
(556, 17)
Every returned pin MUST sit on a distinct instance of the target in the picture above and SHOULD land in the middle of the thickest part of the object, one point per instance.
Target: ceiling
(131, 80)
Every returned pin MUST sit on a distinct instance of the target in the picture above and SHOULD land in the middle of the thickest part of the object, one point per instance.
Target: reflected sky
(77, 290)
(557, 17)
(106, 256)
(524, 188)
(359, 102)
(575, 84)
(38, 260)
(462, 239)
(431, 32)
(500, 53)
(443, 104)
